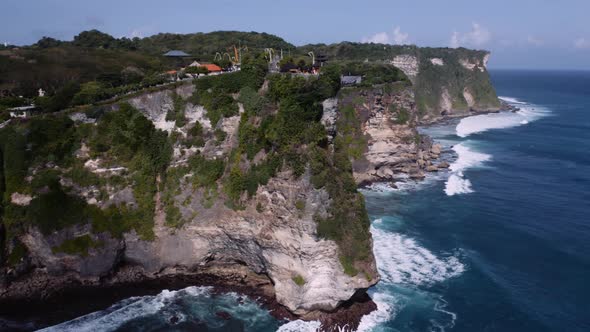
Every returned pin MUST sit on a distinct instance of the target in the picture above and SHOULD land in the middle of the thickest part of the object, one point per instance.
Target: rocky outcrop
(474, 64)
(329, 116)
(395, 149)
(409, 64)
(437, 61)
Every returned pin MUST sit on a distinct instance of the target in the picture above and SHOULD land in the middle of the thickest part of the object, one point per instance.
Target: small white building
(21, 112)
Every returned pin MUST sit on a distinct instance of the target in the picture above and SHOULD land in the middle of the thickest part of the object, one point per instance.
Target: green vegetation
(402, 114)
(16, 254)
(298, 280)
(215, 92)
(77, 246)
(300, 205)
(348, 266)
(431, 78)
(131, 140)
(123, 138)
(206, 171)
(177, 112)
(373, 73)
(350, 138)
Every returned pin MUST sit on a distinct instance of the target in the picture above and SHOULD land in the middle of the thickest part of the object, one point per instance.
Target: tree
(95, 39)
(47, 42)
(89, 93)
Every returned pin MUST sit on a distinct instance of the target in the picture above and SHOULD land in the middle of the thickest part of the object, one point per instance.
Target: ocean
(499, 242)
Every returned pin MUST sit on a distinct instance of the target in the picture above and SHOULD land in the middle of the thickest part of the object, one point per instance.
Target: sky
(525, 34)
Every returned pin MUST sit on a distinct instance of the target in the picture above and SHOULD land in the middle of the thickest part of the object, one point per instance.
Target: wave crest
(401, 260)
(466, 158)
(480, 123)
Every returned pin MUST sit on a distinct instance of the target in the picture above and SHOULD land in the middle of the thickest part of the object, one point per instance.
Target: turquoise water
(500, 242)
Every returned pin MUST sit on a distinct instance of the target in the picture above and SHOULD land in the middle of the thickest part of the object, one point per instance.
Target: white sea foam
(484, 122)
(120, 313)
(401, 260)
(300, 326)
(466, 158)
(380, 187)
(386, 311)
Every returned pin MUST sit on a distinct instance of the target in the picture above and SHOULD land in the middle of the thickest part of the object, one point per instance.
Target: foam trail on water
(484, 122)
(466, 158)
(401, 260)
(512, 100)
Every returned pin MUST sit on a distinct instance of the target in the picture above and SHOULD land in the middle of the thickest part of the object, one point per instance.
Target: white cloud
(454, 43)
(582, 43)
(532, 40)
(396, 37)
(478, 36)
(378, 38)
(399, 37)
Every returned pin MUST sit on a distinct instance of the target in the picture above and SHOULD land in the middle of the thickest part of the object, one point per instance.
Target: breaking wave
(484, 122)
(123, 311)
(300, 326)
(401, 260)
(466, 158)
(386, 310)
(191, 308)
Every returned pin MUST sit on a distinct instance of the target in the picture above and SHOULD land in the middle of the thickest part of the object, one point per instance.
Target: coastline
(50, 301)
(68, 292)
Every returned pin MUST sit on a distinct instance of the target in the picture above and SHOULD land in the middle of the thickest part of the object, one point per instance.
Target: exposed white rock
(20, 199)
(475, 64)
(486, 58)
(155, 106)
(407, 63)
(468, 64)
(93, 165)
(446, 103)
(468, 97)
(329, 116)
(194, 113)
(81, 117)
(437, 61)
(230, 126)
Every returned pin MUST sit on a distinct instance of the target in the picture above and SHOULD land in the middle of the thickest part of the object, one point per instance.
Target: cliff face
(194, 230)
(448, 82)
(392, 149)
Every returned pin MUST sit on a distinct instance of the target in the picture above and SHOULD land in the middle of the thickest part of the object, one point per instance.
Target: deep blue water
(522, 235)
(501, 242)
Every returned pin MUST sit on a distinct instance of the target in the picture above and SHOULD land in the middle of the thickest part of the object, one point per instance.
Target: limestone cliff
(392, 148)
(192, 228)
(447, 81)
